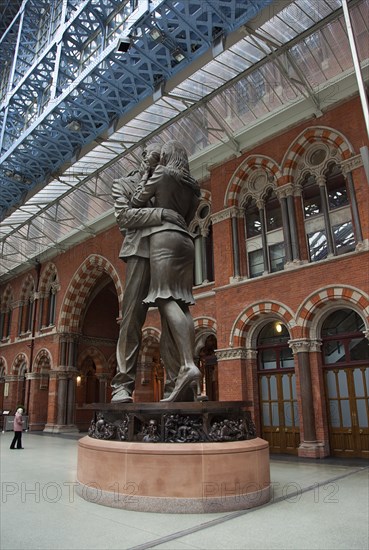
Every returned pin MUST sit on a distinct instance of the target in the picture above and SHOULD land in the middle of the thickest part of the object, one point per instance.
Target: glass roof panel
(246, 48)
(235, 61)
(307, 61)
(318, 9)
(321, 56)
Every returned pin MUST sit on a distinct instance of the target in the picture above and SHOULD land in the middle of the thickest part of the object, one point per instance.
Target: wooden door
(279, 416)
(348, 410)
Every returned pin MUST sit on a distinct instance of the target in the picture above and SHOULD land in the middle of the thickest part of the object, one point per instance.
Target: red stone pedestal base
(174, 477)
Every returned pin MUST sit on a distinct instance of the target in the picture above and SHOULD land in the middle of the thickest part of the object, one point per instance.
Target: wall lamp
(278, 327)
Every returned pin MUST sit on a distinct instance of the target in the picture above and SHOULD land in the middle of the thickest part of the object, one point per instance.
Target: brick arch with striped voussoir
(81, 284)
(315, 134)
(310, 311)
(97, 356)
(242, 331)
(204, 324)
(43, 361)
(250, 165)
(20, 361)
(150, 339)
(3, 367)
(7, 298)
(27, 286)
(47, 273)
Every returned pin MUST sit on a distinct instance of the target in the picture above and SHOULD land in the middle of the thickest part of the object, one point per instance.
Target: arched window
(203, 230)
(345, 354)
(27, 305)
(264, 235)
(49, 287)
(326, 205)
(273, 348)
(277, 389)
(6, 313)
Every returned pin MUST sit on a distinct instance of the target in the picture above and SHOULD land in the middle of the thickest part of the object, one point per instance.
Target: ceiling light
(156, 34)
(74, 126)
(178, 55)
(218, 45)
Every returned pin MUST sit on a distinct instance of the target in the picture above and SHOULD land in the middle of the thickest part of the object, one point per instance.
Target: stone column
(33, 380)
(281, 194)
(321, 180)
(52, 405)
(71, 400)
(261, 206)
(293, 191)
(62, 398)
(309, 446)
(204, 263)
(235, 244)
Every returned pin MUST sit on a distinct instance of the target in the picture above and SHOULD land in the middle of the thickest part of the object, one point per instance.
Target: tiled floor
(315, 505)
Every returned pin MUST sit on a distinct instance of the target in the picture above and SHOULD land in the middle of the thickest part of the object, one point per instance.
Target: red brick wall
(220, 300)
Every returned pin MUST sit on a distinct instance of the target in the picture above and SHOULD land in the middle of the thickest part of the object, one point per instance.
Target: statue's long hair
(174, 157)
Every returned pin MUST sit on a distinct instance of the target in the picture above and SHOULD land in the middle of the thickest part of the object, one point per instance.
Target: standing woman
(172, 258)
(18, 429)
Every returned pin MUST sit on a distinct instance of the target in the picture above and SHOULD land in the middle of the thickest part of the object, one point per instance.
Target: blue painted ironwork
(70, 84)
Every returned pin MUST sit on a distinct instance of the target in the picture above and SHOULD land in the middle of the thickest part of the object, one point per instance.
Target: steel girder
(58, 102)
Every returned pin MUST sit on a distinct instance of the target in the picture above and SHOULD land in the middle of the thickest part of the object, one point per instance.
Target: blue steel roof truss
(114, 82)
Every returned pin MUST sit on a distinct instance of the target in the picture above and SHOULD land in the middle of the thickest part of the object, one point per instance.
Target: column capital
(350, 164)
(284, 191)
(237, 212)
(251, 353)
(260, 203)
(321, 180)
(302, 345)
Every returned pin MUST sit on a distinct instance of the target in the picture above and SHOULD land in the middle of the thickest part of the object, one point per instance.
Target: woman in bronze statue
(172, 258)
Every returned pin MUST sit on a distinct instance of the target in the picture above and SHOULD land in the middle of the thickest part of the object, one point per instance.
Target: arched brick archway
(42, 361)
(241, 330)
(3, 366)
(97, 357)
(150, 339)
(80, 286)
(207, 324)
(20, 364)
(340, 295)
(244, 171)
(320, 134)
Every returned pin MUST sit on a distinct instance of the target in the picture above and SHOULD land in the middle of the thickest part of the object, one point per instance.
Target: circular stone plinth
(174, 477)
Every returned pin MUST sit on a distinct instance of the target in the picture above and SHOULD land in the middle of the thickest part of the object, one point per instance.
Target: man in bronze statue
(135, 252)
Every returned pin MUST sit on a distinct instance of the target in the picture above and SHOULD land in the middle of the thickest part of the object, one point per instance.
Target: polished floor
(316, 505)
